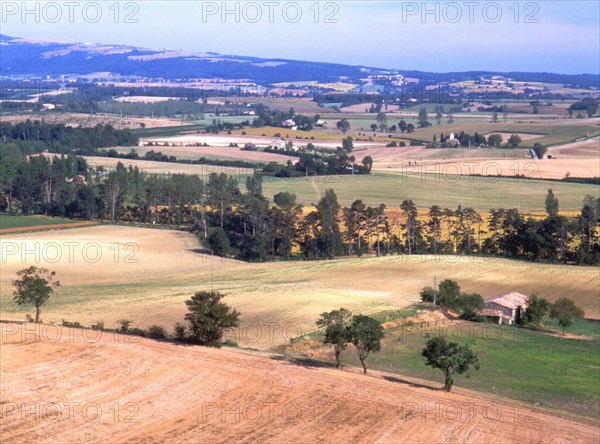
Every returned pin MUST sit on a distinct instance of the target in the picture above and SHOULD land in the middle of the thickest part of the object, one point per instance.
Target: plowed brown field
(63, 386)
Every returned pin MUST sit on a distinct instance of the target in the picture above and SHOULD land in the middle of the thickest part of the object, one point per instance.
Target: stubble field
(110, 273)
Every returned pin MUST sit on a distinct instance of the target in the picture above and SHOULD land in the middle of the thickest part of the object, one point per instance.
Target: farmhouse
(506, 308)
(278, 144)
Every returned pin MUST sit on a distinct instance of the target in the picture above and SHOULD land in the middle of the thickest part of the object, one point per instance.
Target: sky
(547, 35)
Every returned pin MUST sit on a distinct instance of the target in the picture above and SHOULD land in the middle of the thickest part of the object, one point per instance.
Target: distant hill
(19, 57)
(46, 58)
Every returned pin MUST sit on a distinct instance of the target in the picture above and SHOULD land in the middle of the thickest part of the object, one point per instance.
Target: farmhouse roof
(494, 313)
(512, 300)
(490, 312)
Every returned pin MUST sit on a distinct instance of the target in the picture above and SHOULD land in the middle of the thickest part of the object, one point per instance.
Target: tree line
(245, 224)
(60, 138)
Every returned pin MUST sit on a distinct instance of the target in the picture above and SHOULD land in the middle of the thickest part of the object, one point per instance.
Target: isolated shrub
(34, 287)
(124, 325)
(365, 333)
(209, 318)
(565, 310)
(494, 140)
(450, 357)
(336, 333)
(156, 332)
(540, 150)
(514, 141)
(427, 294)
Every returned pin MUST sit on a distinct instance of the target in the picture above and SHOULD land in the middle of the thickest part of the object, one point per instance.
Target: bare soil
(73, 386)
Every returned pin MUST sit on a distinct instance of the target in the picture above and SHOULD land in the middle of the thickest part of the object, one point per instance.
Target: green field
(461, 153)
(553, 134)
(429, 189)
(533, 367)
(7, 222)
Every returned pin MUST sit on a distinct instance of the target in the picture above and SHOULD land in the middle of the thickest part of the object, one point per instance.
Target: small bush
(180, 331)
(474, 318)
(99, 325)
(137, 332)
(427, 294)
(71, 324)
(125, 323)
(157, 332)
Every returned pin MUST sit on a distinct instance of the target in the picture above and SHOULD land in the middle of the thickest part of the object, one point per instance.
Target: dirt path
(315, 187)
(61, 386)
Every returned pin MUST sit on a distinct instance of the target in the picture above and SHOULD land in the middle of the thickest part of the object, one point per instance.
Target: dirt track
(74, 389)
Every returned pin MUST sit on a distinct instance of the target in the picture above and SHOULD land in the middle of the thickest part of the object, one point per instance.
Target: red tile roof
(512, 300)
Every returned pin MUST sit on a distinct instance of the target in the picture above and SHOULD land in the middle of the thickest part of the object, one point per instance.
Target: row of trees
(247, 225)
(61, 138)
(315, 164)
(564, 310)
(206, 322)
(340, 328)
(465, 139)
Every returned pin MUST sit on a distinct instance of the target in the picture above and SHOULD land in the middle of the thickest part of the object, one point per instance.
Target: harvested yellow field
(579, 159)
(145, 275)
(558, 168)
(523, 136)
(89, 120)
(587, 149)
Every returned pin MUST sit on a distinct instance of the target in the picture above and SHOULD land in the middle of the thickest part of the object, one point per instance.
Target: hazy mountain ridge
(22, 57)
